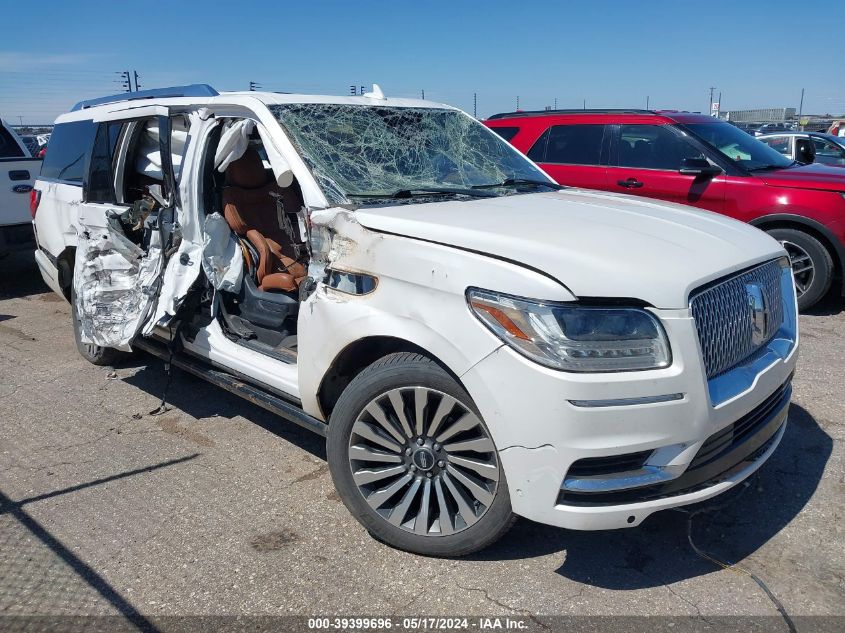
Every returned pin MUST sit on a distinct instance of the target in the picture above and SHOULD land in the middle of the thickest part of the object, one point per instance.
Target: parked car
(31, 142)
(826, 148)
(17, 174)
(769, 128)
(700, 161)
(389, 273)
(745, 127)
(837, 128)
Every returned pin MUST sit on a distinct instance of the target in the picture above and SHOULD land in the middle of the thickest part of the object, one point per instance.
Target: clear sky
(613, 54)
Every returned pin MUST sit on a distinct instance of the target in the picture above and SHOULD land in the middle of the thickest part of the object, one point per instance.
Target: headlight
(574, 338)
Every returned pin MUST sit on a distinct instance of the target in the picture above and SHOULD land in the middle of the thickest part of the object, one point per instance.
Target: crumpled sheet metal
(222, 259)
(116, 285)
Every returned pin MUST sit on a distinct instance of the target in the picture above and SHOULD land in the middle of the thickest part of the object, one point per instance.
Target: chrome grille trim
(724, 319)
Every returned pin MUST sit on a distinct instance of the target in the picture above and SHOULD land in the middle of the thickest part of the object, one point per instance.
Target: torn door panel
(116, 284)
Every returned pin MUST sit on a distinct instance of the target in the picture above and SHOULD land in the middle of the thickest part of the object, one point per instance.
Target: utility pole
(422, 93)
(475, 105)
(137, 87)
(801, 107)
(719, 107)
(517, 102)
(352, 90)
(710, 108)
(646, 102)
(125, 80)
(585, 104)
(555, 103)
(253, 86)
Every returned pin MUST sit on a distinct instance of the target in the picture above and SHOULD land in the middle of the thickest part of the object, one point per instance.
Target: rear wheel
(92, 353)
(413, 461)
(812, 264)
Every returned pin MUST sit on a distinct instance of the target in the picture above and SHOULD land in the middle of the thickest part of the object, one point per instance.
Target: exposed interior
(265, 218)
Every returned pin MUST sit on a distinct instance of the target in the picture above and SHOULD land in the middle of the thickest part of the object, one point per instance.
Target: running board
(235, 385)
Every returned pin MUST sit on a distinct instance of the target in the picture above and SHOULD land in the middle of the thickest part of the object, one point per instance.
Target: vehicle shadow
(830, 305)
(657, 552)
(201, 399)
(37, 561)
(19, 276)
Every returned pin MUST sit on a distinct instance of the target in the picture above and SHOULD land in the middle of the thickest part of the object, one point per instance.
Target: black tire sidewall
(413, 370)
(822, 263)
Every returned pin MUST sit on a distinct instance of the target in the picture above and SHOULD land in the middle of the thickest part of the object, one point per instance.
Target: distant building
(762, 115)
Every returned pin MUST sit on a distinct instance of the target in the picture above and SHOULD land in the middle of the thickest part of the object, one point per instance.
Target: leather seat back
(251, 211)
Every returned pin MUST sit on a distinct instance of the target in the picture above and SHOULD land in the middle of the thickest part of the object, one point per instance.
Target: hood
(596, 244)
(815, 176)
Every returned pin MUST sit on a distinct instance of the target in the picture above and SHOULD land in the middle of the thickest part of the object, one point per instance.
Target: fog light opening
(631, 519)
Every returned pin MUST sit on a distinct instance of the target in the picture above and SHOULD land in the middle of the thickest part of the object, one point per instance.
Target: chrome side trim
(627, 402)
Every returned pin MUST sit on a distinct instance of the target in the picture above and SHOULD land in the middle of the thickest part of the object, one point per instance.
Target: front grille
(725, 318)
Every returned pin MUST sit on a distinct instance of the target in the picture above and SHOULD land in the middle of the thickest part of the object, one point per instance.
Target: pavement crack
(499, 603)
(689, 602)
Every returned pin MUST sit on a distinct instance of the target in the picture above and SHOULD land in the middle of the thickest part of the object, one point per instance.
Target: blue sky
(613, 54)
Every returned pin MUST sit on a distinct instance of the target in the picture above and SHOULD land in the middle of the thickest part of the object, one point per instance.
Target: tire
(812, 264)
(425, 477)
(94, 354)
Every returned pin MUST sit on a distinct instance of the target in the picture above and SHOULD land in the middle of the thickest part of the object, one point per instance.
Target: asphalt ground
(219, 509)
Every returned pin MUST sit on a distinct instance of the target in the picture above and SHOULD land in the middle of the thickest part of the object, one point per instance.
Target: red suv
(700, 161)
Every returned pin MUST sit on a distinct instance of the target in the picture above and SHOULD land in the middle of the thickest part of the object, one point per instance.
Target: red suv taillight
(34, 199)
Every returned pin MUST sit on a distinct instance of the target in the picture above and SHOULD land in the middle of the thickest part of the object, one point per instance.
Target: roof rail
(530, 113)
(193, 90)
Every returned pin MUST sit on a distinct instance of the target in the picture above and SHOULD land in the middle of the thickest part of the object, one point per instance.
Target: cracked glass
(359, 151)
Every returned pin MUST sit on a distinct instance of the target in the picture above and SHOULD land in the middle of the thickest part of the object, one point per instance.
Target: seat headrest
(247, 172)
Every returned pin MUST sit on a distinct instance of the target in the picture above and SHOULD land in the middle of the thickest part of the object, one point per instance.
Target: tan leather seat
(252, 213)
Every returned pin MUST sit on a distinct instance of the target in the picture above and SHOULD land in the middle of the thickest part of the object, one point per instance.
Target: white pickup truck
(18, 170)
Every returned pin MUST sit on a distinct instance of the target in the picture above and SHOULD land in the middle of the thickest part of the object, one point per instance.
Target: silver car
(826, 148)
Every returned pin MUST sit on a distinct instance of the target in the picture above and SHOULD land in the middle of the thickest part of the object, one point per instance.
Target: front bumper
(543, 421)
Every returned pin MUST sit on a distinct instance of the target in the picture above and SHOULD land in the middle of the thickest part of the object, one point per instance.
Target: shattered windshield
(358, 152)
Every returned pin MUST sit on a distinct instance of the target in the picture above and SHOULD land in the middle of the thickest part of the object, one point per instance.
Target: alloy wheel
(423, 461)
(803, 269)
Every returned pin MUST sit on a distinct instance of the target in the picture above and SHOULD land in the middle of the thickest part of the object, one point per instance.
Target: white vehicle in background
(18, 170)
(475, 341)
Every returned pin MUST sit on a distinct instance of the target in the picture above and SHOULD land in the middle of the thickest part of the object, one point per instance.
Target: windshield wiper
(423, 191)
(516, 182)
(770, 167)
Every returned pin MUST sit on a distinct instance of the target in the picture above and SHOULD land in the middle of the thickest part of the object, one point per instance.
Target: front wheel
(413, 461)
(812, 264)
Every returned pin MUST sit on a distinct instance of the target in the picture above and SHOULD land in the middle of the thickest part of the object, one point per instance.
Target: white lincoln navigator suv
(475, 341)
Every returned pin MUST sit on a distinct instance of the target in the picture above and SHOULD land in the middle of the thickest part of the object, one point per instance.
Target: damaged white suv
(475, 341)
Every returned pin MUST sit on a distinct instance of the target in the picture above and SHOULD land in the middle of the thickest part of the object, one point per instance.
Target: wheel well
(64, 266)
(356, 357)
(809, 230)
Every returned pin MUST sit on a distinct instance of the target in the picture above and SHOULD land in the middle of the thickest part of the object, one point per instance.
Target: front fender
(419, 298)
